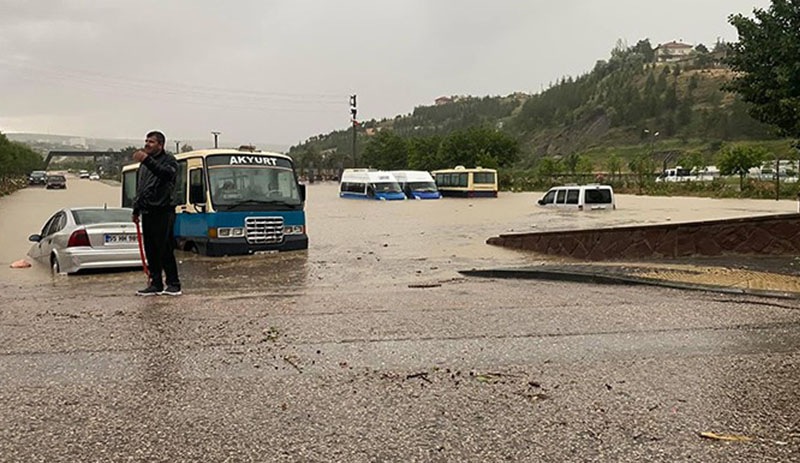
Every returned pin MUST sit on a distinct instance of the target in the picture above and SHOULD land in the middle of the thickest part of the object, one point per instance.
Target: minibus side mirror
(301, 188)
(541, 202)
(35, 238)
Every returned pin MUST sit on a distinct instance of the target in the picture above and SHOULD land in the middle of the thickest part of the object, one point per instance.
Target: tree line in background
(16, 162)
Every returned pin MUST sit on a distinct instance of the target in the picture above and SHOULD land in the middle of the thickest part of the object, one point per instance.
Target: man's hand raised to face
(139, 156)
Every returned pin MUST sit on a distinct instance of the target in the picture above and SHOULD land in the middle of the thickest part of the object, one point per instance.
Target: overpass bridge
(113, 158)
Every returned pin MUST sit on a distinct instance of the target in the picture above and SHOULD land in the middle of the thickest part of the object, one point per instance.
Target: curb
(561, 273)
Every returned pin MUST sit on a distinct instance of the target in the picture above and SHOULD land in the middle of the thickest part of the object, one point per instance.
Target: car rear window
(93, 216)
(57, 178)
(599, 196)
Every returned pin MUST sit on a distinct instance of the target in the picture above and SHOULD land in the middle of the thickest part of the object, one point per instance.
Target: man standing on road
(157, 171)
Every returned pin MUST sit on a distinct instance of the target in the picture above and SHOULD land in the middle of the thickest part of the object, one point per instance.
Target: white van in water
(417, 184)
(369, 184)
(580, 197)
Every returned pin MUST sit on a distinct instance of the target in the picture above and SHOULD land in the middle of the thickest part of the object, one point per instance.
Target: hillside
(627, 103)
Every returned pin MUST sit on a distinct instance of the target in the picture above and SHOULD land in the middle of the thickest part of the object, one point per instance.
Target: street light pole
(653, 146)
(177, 146)
(216, 134)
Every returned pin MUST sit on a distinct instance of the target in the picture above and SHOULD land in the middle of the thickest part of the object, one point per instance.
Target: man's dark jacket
(156, 183)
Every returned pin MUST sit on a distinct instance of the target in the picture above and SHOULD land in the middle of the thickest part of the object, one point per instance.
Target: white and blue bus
(232, 202)
(369, 184)
(417, 184)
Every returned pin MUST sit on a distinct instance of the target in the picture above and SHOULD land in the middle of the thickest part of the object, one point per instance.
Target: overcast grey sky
(280, 71)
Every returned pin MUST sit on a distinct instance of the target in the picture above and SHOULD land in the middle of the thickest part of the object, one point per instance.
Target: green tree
(478, 146)
(584, 165)
(186, 148)
(643, 166)
(17, 159)
(766, 60)
(646, 49)
(692, 160)
(547, 168)
(739, 159)
(423, 153)
(571, 163)
(386, 151)
(614, 165)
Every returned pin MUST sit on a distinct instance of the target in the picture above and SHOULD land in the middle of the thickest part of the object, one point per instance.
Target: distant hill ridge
(625, 100)
(48, 142)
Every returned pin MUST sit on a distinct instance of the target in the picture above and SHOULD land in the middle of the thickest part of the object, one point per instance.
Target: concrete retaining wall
(766, 235)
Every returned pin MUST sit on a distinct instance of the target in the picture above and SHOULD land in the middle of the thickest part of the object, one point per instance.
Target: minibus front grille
(264, 230)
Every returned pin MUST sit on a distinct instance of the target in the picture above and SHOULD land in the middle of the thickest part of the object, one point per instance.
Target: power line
(92, 78)
(211, 101)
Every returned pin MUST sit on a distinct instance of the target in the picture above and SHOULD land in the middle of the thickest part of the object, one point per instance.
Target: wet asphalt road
(371, 347)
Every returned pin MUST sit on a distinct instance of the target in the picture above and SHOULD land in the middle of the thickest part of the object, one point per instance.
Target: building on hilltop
(442, 100)
(673, 51)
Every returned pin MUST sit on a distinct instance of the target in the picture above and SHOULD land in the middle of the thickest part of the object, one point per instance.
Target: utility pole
(216, 134)
(177, 146)
(353, 113)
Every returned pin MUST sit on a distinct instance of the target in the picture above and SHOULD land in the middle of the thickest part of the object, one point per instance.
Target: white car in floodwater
(75, 239)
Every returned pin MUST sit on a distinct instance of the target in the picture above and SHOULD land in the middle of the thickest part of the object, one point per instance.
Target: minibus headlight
(293, 230)
(230, 232)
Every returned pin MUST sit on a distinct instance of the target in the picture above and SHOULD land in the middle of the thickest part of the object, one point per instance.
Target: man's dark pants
(159, 246)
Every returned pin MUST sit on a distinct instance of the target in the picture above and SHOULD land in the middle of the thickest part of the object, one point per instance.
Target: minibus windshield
(253, 187)
(387, 187)
(429, 187)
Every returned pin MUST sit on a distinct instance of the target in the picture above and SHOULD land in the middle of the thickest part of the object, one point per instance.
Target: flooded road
(371, 347)
(354, 242)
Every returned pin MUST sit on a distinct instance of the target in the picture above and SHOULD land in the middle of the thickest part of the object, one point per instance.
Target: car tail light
(78, 238)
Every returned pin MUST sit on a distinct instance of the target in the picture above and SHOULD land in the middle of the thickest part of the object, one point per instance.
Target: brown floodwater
(353, 243)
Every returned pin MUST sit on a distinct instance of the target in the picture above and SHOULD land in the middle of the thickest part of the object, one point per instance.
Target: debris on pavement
(22, 263)
(725, 437)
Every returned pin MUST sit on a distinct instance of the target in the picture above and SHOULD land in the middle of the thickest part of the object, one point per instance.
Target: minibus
(417, 184)
(369, 184)
(233, 202)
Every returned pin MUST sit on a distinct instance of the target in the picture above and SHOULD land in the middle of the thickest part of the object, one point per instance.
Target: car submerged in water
(75, 239)
(56, 181)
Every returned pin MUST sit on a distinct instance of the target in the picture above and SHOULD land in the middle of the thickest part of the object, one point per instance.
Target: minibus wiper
(250, 202)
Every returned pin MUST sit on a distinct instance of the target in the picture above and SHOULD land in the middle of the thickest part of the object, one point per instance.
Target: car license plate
(120, 238)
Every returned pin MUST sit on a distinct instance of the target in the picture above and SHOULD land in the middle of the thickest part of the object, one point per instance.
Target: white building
(673, 51)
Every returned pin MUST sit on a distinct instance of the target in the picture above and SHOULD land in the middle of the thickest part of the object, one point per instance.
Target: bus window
(179, 194)
(196, 187)
(483, 177)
